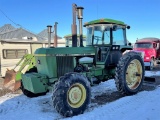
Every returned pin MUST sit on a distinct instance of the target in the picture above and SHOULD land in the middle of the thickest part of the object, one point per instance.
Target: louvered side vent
(65, 64)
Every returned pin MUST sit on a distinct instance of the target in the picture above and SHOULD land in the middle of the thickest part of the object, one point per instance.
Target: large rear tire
(129, 73)
(71, 94)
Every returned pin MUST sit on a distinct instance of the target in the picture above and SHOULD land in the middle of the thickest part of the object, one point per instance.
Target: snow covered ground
(143, 106)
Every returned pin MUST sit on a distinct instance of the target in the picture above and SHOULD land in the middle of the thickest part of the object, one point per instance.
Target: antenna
(97, 9)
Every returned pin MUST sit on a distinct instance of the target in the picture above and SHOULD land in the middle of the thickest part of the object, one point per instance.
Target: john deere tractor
(71, 71)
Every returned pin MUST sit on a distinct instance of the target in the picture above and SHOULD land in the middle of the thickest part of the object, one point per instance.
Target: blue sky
(142, 15)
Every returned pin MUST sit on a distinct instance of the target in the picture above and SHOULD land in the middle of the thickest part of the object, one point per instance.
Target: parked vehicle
(151, 49)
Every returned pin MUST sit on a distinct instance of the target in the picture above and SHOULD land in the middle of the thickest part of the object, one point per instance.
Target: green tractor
(71, 71)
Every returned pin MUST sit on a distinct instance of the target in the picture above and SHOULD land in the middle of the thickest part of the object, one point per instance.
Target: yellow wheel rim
(134, 74)
(76, 95)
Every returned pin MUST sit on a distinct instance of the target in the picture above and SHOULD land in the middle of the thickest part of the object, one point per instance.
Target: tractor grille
(65, 64)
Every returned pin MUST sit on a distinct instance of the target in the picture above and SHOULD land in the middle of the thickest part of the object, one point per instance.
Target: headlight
(147, 58)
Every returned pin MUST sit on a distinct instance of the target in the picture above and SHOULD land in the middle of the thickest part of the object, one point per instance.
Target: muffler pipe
(80, 17)
(74, 26)
(55, 34)
(49, 35)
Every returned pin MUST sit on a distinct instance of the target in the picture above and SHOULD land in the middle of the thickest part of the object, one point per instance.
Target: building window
(14, 53)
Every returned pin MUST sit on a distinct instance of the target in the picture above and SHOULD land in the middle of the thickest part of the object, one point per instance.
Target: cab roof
(104, 21)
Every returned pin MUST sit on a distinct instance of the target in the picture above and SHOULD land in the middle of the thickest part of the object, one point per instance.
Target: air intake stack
(74, 26)
(55, 34)
(80, 17)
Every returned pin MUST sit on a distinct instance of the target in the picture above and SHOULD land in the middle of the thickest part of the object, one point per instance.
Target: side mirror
(128, 27)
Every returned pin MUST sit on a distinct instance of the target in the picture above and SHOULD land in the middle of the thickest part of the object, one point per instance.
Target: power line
(18, 24)
(9, 18)
(15, 22)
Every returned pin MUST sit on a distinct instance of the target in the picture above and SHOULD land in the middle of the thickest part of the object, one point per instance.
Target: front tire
(129, 73)
(71, 95)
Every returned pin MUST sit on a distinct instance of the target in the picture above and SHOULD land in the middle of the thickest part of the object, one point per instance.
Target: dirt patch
(106, 97)
(4, 91)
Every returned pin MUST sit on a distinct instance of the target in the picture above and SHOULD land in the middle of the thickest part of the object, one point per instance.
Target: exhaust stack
(74, 26)
(49, 35)
(55, 34)
(80, 17)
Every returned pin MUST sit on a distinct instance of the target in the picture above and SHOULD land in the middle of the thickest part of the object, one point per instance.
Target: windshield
(101, 35)
(143, 45)
(118, 37)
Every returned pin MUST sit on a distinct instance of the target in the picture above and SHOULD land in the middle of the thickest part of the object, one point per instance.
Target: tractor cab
(109, 38)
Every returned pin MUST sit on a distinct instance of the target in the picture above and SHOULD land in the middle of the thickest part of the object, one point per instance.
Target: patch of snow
(152, 73)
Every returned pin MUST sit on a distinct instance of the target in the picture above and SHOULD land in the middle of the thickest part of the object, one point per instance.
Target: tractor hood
(55, 62)
(65, 51)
